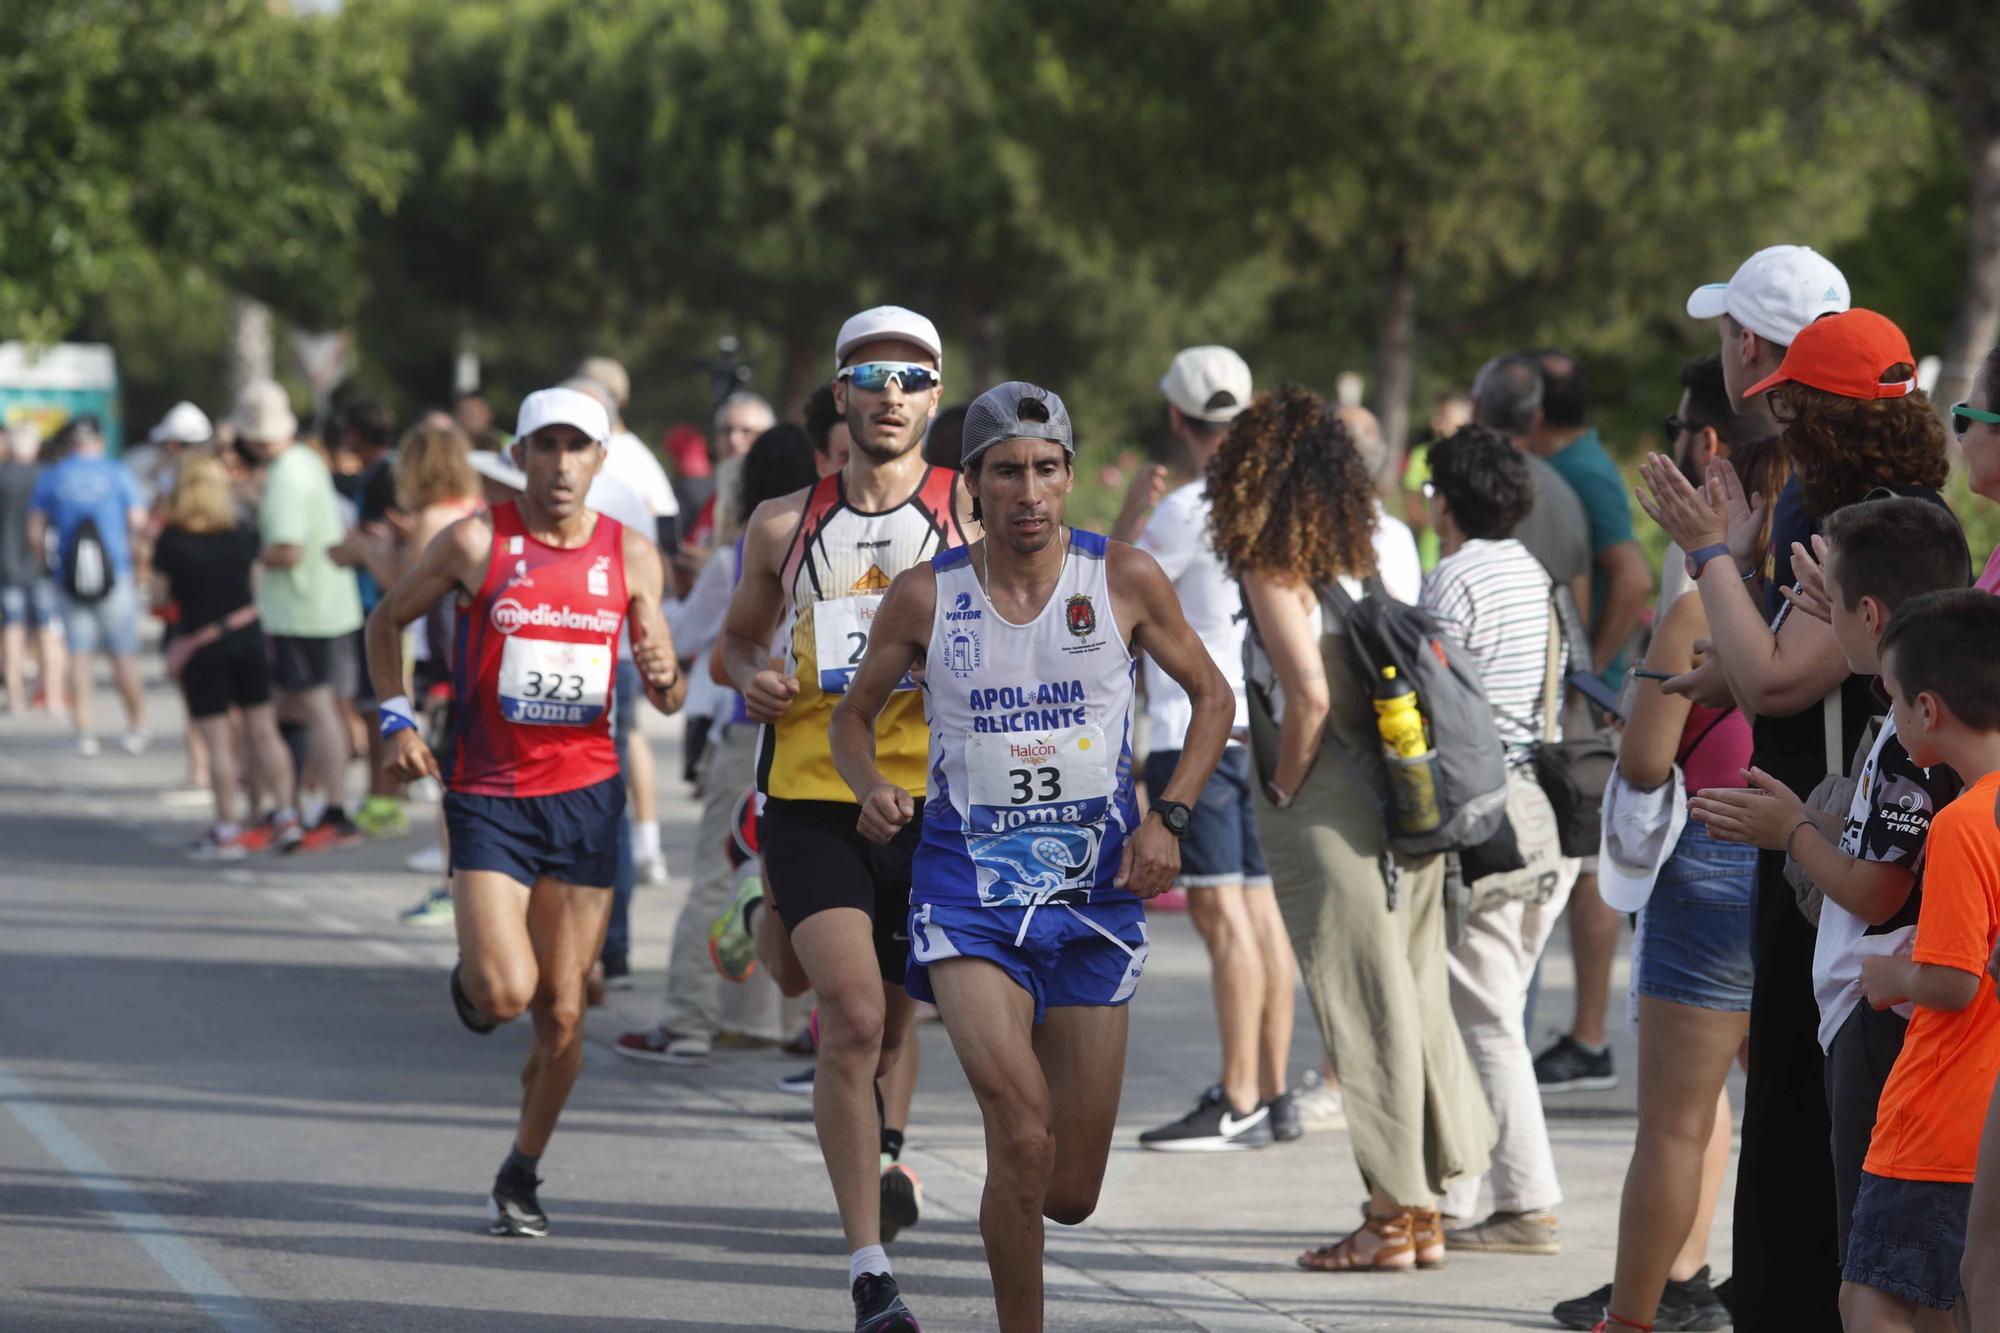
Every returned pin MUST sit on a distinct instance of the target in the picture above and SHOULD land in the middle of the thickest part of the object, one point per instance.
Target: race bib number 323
(544, 683)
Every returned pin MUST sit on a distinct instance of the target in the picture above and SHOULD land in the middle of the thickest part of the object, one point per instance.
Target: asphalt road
(237, 1097)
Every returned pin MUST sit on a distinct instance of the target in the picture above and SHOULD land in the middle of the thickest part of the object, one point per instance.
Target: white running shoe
(133, 742)
(88, 747)
(426, 861)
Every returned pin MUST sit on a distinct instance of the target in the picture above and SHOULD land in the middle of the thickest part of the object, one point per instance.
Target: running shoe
(617, 971)
(1213, 1126)
(799, 1081)
(89, 747)
(382, 817)
(879, 1308)
(800, 1043)
(513, 1209)
(460, 1001)
(133, 742)
(656, 1045)
(435, 909)
(425, 861)
(651, 870)
(1685, 1307)
(730, 942)
(1568, 1067)
(212, 846)
(1320, 1106)
(902, 1199)
(332, 831)
(282, 832)
(1285, 1121)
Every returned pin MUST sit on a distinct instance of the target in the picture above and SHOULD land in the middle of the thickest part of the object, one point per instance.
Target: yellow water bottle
(1406, 750)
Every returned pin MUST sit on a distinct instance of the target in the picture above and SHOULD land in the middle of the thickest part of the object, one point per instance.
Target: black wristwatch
(1177, 817)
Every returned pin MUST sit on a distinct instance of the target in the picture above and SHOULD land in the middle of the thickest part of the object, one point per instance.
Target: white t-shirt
(1493, 597)
(1177, 537)
(631, 462)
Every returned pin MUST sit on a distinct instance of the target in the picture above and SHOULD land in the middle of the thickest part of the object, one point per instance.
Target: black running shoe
(879, 1308)
(513, 1208)
(460, 1001)
(1213, 1126)
(1285, 1122)
(1568, 1067)
(1685, 1307)
(902, 1200)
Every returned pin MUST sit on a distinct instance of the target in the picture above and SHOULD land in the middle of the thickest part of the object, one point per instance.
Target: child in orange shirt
(1941, 664)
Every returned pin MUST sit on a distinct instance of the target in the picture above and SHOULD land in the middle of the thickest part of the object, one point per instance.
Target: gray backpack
(1468, 765)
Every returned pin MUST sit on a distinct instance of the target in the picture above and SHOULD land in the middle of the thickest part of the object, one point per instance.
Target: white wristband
(393, 715)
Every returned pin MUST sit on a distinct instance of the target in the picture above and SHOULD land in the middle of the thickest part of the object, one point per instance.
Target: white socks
(867, 1259)
(645, 839)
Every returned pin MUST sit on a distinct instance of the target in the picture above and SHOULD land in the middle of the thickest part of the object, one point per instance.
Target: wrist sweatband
(395, 715)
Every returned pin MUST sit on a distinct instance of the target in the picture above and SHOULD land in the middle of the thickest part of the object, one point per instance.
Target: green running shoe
(730, 943)
(382, 817)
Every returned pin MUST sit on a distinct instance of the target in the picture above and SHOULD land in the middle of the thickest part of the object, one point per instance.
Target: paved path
(237, 1098)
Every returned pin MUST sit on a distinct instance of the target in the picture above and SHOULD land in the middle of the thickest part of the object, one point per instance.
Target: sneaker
(436, 909)
(730, 943)
(1568, 1067)
(650, 870)
(212, 847)
(799, 1081)
(1173, 900)
(513, 1208)
(425, 861)
(1213, 1126)
(879, 1308)
(462, 1002)
(1285, 1119)
(1685, 1307)
(332, 831)
(281, 832)
(659, 1046)
(902, 1200)
(1507, 1233)
(1320, 1106)
(133, 742)
(617, 972)
(382, 817)
(88, 747)
(799, 1044)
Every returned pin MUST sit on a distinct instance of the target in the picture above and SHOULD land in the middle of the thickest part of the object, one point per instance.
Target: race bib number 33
(544, 683)
(1019, 779)
(840, 639)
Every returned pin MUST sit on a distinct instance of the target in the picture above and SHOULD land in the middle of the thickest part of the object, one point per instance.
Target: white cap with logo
(563, 407)
(1775, 293)
(184, 423)
(1208, 383)
(887, 322)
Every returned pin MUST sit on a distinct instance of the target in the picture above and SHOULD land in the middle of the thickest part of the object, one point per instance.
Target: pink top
(1990, 580)
(1715, 748)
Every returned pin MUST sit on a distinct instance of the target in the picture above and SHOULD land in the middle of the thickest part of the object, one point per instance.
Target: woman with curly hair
(1294, 509)
(1854, 422)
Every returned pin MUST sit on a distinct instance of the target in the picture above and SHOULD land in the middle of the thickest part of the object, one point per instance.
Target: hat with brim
(887, 323)
(264, 413)
(563, 407)
(1641, 828)
(1846, 354)
(1775, 293)
(1003, 412)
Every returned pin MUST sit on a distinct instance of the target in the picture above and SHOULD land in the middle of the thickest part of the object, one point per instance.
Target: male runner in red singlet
(823, 557)
(534, 796)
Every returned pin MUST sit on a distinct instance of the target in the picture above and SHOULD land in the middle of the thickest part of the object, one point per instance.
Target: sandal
(1397, 1253)
(1428, 1237)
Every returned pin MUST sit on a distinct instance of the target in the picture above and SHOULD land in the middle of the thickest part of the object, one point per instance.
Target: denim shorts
(1909, 1238)
(109, 624)
(1221, 844)
(30, 604)
(1696, 928)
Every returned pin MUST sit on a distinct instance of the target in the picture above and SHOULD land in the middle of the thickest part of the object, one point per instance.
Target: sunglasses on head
(1961, 416)
(874, 376)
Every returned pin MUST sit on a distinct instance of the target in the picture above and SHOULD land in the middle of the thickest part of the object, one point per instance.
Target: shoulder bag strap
(1552, 674)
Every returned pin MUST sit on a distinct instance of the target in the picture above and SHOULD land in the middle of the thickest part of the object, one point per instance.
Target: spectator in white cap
(1222, 866)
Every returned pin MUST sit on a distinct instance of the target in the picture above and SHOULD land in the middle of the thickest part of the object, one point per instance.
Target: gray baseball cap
(1015, 410)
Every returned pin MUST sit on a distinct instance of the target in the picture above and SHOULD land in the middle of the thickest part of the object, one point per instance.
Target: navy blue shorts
(1221, 845)
(1061, 955)
(571, 836)
(1908, 1238)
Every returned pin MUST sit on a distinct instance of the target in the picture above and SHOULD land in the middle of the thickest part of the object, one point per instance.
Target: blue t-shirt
(1607, 506)
(96, 488)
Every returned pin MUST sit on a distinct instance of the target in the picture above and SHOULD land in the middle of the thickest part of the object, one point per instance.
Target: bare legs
(1250, 966)
(1593, 941)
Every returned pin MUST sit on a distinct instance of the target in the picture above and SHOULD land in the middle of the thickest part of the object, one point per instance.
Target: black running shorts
(815, 858)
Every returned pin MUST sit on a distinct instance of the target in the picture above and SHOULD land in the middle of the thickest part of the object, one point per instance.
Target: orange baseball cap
(1846, 354)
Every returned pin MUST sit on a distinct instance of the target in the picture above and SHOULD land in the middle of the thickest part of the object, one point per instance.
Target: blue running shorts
(1061, 955)
(571, 836)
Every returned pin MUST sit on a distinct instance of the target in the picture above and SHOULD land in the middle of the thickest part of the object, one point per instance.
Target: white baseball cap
(1207, 383)
(184, 423)
(887, 321)
(1775, 293)
(563, 407)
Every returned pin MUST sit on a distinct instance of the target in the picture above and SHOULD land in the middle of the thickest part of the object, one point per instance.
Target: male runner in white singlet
(1025, 922)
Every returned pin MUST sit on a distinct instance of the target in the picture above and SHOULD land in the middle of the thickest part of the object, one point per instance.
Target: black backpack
(87, 575)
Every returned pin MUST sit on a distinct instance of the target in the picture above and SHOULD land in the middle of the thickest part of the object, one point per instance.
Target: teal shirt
(315, 598)
(1608, 508)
